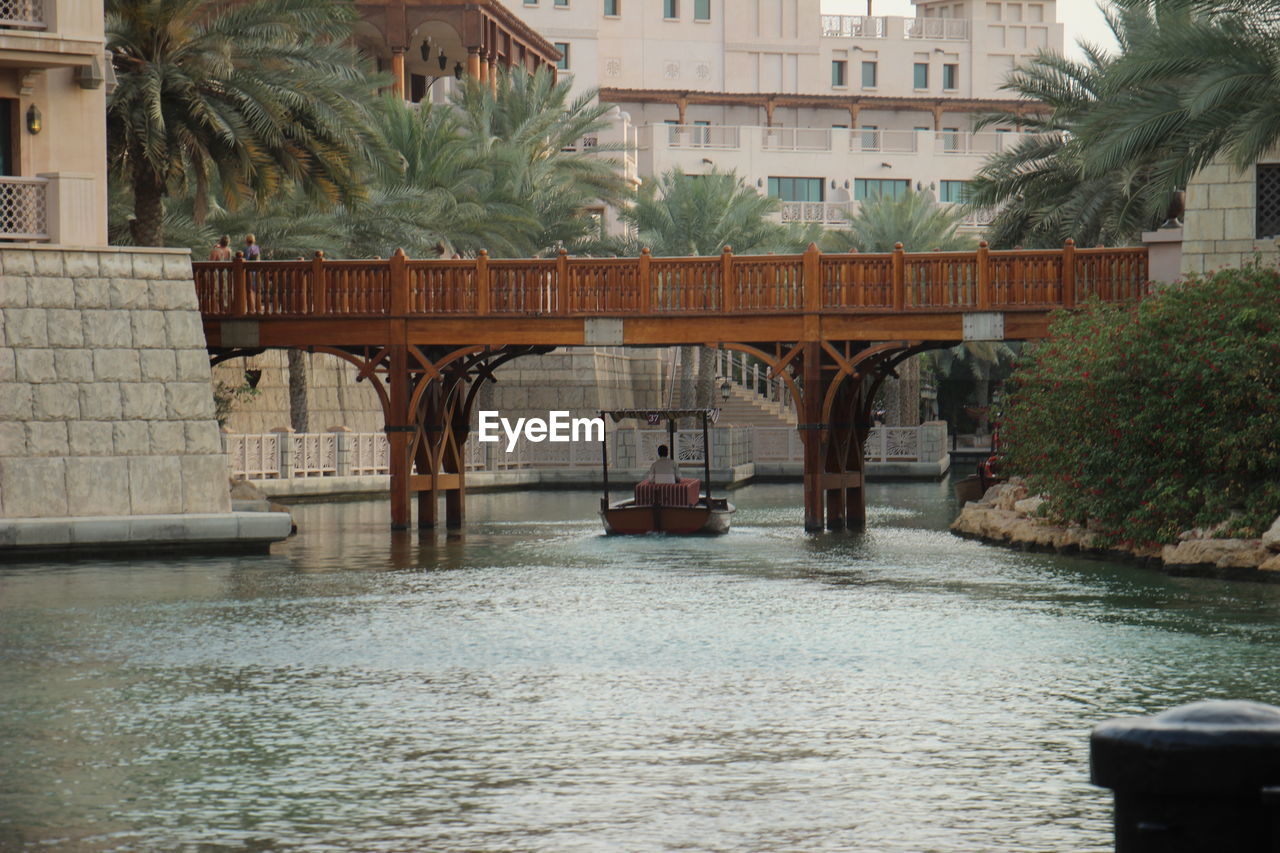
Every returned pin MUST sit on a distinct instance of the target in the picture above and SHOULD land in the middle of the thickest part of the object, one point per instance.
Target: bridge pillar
(399, 426)
(833, 429)
(811, 434)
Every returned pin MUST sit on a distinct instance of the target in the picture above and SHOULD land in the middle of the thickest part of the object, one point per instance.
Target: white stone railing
(947, 29)
(22, 14)
(344, 453)
(853, 26)
(795, 139)
(719, 136)
(24, 208)
(827, 213)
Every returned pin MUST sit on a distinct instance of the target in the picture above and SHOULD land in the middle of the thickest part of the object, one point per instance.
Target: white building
(818, 110)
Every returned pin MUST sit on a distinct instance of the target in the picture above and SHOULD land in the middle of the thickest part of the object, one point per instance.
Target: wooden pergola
(476, 37)
(854, 104)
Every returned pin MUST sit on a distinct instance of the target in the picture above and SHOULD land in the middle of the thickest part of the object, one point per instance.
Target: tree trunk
(147, 227)
(706, 377)
(298, 390)
(685, 397)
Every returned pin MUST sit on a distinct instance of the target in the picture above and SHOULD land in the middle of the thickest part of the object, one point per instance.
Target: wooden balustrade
(752, 284)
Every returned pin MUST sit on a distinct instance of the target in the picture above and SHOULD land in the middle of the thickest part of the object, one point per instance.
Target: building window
(670, 9)
(951, 141)
(796, 189)
(951, 76)
(952, 192)
(702, 10)
(839, 71)
(922, 75)
(1268, 201)
(564, 4)
(611, 8)
(866, 189)
(868, 75)
(870, 137)
(563, 47)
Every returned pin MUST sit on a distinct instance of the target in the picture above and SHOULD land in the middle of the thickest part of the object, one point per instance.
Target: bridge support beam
(833, 432)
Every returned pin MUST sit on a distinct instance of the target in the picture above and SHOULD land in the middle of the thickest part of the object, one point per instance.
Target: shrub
(1145, 420)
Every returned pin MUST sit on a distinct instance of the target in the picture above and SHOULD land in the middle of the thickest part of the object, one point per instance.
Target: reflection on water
(533, 685)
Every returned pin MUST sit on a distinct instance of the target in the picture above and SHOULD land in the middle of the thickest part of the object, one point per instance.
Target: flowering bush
(1145, 420)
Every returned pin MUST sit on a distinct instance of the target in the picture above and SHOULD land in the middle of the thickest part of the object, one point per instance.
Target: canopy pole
(671, 445)
(706, 458)
(604, 464)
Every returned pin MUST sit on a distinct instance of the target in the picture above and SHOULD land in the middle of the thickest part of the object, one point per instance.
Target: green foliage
(680, 215)
(1052, 186)
(226, 397)
(914, 220)
(1149, 419)
(247, 100)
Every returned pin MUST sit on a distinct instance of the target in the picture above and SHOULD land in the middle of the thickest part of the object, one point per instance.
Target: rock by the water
(1271, 538)
(1220, 553)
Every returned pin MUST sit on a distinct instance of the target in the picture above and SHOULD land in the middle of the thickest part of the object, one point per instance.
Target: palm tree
(238, 99)
(1207, 84)
(679, 215)
(1046, 188)
(527, 138)
(915, 220)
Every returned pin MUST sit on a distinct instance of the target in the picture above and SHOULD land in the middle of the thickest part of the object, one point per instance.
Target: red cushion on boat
(683, 493)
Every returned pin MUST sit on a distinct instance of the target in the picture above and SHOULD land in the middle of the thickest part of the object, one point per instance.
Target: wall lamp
(35, 121)
(425, 51)
(88, 76)
(444, 61)
(457, 70)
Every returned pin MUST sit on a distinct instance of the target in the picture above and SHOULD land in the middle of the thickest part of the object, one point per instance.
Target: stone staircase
(744, 408)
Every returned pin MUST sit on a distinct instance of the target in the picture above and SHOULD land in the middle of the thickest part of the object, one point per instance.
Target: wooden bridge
(428, 334)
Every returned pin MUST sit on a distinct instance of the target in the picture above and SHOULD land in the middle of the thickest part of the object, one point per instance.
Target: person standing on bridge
(222, 251)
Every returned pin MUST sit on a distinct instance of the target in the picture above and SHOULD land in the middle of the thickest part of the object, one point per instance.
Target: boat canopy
(656, 416)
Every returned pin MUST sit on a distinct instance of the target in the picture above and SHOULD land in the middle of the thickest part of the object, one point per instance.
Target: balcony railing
(795, 139)
(853, 26)
(824, 212)
(942, 142)
(947, 29)
(24, 209)
(22, 14)
(723, 137)
(731, 138)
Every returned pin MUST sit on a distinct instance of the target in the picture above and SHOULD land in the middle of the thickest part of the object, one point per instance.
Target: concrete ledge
(23, 538)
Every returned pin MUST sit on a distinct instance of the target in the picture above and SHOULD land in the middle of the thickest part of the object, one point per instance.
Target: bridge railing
(895, 281)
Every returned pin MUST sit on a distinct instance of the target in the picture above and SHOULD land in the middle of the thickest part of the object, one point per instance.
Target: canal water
(535, 686)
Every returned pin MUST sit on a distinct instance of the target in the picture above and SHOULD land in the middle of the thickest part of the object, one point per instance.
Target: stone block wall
(334, 398)
(105, 403)
(1220, 221)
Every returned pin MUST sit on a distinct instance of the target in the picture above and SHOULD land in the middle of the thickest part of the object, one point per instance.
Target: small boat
(681, 508)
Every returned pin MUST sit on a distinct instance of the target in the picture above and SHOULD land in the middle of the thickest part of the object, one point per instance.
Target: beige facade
(1221, 223)
(53, 165)
(820, 110)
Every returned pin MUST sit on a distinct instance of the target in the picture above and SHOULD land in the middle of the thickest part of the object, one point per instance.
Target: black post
(604, 463)
(1200, 777)
(706, 458)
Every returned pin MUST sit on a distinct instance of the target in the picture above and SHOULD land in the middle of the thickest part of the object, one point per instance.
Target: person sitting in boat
(664, 469)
